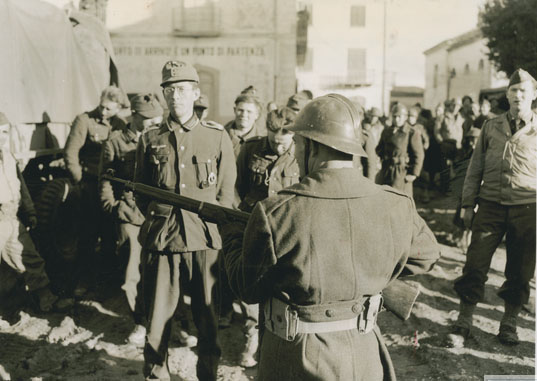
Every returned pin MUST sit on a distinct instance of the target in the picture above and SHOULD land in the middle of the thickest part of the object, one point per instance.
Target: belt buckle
(281, 319)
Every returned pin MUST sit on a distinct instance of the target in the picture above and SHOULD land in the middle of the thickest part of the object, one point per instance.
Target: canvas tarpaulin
(45, 76)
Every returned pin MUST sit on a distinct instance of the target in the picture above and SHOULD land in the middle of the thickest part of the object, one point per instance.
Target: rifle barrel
(183, 202)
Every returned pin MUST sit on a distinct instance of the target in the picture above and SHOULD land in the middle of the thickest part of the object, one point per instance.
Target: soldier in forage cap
(195, 159)
(118, 155)
(500, 183)
(316, 257)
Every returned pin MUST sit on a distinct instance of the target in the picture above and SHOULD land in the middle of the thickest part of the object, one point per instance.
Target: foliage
(511, 29)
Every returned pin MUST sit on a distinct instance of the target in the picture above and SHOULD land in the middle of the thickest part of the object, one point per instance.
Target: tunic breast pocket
(206, 172)
(290, 176)
(258, 167)
(159, 157)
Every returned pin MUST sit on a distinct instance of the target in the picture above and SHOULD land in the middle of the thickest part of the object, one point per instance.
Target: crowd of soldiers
(312, 258)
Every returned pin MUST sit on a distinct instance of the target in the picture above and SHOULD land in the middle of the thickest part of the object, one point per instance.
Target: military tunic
(335, 236)
(194, 159)
(401, 151)
(261, 173)
(84, 143)
(82, 155)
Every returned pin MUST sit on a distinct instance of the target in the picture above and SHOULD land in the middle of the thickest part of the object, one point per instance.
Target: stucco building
(459, 66)
(232, 43)
(340, 49)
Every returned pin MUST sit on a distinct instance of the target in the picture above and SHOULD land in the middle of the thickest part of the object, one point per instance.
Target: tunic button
(209, 160)
(182, 148)
(329, 313)
(356, 308)
(182, 165)
(152, 213)
(183, 185)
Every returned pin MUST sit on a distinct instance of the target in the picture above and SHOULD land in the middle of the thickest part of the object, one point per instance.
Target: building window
(435, 76)
(467, 69)
(357, 15)
(196, 18)
(481, 64)
(356, 66)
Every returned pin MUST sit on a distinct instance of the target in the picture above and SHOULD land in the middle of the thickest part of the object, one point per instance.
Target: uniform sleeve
(424, 250)
(424, 137)
(474, 174)
(370, 150)
(227, 170)
(437, 130)
(26, 208)
(380, 148)
(75, 141)
(140, 175)
(248, 255)
(106, 192)
(241, 185)
(416, 154)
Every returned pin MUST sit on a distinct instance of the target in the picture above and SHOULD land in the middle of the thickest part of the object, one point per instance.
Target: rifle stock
(399, 296)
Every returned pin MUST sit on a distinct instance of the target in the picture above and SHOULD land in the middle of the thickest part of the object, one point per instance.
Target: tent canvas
(46, 76)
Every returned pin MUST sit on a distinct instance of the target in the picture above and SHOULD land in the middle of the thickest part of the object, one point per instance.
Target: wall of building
(463, 69)
(436, 78)
(330, 41)
(237, 43)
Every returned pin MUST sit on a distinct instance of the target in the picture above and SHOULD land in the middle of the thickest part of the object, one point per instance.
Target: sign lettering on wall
(189, 51)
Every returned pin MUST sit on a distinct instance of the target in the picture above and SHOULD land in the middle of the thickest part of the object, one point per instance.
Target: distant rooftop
(456, 42)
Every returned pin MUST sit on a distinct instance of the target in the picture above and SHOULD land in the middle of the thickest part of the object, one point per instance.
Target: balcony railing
(355, 79)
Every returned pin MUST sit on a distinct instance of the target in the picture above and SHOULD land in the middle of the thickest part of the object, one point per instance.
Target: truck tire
(58, 229)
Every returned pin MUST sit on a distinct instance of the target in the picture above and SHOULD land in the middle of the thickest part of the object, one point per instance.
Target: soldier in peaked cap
(310, 255)
(500, 183)
(118, 155)
(195, 159)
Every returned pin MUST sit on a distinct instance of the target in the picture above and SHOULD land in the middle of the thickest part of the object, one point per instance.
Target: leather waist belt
(286, 321)
(326, 326)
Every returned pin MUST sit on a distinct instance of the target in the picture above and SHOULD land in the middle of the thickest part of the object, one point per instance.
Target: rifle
(399, 296)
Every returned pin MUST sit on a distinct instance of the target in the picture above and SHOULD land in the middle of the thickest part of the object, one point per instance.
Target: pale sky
(416, 25)
(413, 26)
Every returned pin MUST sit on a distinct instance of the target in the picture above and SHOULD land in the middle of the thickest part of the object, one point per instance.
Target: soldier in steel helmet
(401, 150)
(317, 255)
(195, 159)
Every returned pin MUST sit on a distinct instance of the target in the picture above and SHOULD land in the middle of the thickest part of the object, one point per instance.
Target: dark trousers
(161, 287)
(491, 222)
(95, 225)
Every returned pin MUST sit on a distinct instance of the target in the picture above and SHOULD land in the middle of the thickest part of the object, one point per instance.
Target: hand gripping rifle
(399, 296)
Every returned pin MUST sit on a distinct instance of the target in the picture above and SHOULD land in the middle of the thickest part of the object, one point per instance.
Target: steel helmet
(332, 120)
